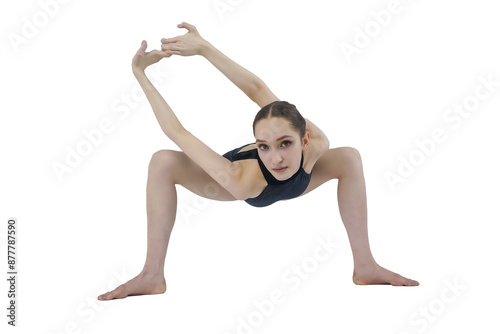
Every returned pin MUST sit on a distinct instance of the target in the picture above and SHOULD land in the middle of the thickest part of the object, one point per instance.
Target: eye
(286, 143)
(263, 147)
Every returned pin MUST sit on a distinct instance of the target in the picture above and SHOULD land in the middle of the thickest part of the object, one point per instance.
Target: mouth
(280, 170)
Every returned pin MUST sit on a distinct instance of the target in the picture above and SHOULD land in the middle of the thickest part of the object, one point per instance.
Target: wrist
(206, 48)
(138, 72)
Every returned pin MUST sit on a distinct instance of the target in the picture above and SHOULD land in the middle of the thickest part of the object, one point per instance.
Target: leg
(166, 169)
(344, 164)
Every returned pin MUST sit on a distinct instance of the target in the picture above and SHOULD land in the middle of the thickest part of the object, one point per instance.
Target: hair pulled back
(285, 110)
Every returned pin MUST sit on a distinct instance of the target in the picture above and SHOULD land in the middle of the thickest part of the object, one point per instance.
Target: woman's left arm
(193, 44)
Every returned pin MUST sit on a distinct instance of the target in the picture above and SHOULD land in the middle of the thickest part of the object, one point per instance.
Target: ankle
(364, 263)
(152, 271)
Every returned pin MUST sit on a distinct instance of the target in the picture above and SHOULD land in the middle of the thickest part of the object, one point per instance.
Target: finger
(188, 26)
(143, 47)
(170, 47)
(160, 53)
(170, 40)
(157, 52)
(173, 52)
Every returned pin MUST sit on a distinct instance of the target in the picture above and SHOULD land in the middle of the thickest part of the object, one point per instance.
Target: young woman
(290, 158)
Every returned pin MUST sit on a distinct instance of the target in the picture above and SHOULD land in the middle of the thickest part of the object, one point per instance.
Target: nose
(276, 158)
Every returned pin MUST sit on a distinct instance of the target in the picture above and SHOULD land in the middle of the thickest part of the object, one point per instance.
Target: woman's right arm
(193, 44)
(229, 175)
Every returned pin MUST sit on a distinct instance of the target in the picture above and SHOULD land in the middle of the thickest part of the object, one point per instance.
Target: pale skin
(280, 147)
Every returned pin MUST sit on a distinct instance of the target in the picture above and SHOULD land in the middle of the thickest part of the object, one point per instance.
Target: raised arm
(245, 80)
(193, 44)
(228, 174)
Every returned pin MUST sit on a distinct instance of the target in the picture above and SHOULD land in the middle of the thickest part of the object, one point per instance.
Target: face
(279, 146)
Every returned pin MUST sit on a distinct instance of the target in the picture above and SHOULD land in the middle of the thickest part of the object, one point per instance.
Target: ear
(305, 140)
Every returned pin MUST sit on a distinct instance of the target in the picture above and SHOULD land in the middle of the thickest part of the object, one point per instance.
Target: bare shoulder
(252, 180)
(248, 148)
(317, 146)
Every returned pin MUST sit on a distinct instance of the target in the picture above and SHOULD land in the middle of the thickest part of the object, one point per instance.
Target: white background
(78, 233)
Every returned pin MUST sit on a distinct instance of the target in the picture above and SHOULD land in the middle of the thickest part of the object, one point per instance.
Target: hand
(143, 59)
(186, 45)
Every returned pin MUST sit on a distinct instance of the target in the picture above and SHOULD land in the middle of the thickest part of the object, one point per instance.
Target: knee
(352, 153)
(163, 160)
(351, 156)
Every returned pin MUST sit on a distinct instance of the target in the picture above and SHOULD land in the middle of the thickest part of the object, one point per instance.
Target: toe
(410, 282)
(120, 292)
(103, 296)
(414, 283)
(401, 281)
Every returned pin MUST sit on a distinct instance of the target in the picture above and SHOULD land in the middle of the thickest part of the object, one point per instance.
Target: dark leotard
(276, 190)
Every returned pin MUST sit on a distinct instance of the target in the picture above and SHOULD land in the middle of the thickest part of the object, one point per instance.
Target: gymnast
(290, 158)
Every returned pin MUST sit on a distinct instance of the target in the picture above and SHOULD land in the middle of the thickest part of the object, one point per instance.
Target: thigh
(331, 165)
(192, 177)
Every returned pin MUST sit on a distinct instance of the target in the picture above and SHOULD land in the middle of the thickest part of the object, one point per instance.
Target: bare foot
(375, 274)
(142, 284)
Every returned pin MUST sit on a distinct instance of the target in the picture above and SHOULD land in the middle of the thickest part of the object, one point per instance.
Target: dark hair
(285, 110)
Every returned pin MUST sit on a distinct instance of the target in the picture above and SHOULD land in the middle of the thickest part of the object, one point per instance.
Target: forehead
(271, 128)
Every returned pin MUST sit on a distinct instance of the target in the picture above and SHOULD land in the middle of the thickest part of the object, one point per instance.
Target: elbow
(239, 196)
(254, 91)
(257, 90)
(235, 181)
(325, 145)
(175, 133)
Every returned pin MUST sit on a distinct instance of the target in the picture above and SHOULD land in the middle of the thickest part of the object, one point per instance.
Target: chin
(283, 176)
